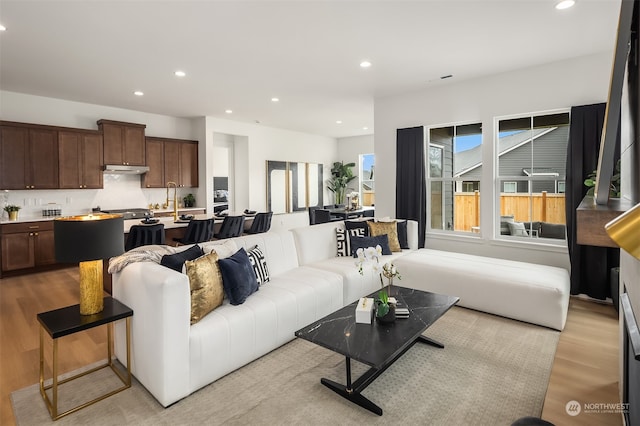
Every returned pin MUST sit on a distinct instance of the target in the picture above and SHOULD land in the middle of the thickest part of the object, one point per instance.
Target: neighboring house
(549, 146)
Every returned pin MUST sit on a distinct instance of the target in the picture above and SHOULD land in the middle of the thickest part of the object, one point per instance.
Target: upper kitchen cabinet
(171, 160)
(28, 156)
(124, 143)
(181, 163)
(154, 178)
(80, 159)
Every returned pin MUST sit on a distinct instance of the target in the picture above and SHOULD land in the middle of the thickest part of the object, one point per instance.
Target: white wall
(253, 146)
(572, 82)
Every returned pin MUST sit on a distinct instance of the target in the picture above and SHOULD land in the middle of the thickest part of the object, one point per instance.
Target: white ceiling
(240, 54)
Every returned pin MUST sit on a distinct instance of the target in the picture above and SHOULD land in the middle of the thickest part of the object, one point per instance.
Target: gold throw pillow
(205, 280)
(389, 228)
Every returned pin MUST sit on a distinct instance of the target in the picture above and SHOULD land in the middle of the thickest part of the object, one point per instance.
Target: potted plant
(341, 175)
(614, 188)
(385, 310)
(12, 211)
(189, 200)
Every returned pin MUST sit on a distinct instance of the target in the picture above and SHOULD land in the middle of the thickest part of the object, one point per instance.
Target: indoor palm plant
(341, 175)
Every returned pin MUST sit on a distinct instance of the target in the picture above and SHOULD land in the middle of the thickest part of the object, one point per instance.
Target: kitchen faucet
(175, 198)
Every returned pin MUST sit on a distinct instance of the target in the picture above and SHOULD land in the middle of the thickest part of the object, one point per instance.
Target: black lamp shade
(90, 237)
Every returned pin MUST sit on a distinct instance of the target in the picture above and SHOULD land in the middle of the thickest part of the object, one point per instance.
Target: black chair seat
(232, 226)
(198, 231)
(261, 223)
(144, 235)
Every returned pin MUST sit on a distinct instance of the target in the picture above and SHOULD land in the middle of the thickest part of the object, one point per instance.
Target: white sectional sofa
(173, 359)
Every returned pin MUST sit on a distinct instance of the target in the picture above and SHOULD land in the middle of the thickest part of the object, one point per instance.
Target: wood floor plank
(585, 367)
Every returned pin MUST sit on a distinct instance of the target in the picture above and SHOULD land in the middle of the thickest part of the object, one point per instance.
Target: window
(455, 167)
(367, 180)
(511, 187)
(531, 172)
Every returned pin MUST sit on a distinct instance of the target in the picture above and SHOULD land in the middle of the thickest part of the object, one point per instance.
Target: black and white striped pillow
(343, 238)
(259, 264)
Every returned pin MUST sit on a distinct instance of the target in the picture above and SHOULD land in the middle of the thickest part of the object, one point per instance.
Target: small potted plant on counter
(12, 211)
(189, 200)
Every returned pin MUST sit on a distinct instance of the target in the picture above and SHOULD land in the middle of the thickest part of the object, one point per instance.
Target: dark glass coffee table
(374, 344)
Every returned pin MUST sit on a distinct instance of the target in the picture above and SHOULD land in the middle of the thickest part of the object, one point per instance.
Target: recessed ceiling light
(275, 99)
(180, 73)
(338, 121)
(365, 128)
(565, 4)
(228, 111)
(138, 93)
(365, 64)
(3, 28)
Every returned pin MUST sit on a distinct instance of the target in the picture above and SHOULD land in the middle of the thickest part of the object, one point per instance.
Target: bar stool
(232, 226)
(261, 223)
(198, 231)
(144, 235)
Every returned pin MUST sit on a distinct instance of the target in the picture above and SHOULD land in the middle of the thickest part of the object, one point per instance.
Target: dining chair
(322, 216)
(232, 226)
(261, 223)
(312, 215)
(144, 235)
(198, 231)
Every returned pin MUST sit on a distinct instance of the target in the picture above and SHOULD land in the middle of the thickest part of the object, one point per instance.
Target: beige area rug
(492, 371)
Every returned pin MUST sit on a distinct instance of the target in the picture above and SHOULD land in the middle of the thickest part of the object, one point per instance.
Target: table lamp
(88, 239)
(624, 230)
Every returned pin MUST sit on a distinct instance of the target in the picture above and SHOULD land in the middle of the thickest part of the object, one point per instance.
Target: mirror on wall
(293, 186)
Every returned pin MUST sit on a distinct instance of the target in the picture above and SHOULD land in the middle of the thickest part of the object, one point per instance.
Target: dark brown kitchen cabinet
(171, 160)
(28, 157)
(124, 143)
(80, 159)
(181, 163)
(154, 178)
(27, 245)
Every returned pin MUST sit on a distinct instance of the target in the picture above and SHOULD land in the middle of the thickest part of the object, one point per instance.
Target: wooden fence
(542, 207)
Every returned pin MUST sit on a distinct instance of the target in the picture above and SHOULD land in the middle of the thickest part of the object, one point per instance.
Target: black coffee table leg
(430, 342)
(351, 393)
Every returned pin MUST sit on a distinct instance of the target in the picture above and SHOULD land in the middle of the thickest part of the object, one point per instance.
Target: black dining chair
(261, 223)
(312, 215)
(322, 216)
(144, 235)
(232, 226)
(198, 231)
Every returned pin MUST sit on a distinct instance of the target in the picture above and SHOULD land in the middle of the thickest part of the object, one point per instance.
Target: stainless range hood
(120, 169)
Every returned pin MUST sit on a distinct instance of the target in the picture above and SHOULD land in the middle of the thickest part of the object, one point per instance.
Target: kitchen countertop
(23, 219)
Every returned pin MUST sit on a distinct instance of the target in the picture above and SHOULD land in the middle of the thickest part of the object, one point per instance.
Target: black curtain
(590, 265)
(411, 185)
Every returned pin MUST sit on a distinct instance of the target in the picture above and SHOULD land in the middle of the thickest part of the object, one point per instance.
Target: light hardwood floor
(585, 367)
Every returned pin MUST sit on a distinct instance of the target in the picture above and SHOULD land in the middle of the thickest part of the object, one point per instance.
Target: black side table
(66, 321)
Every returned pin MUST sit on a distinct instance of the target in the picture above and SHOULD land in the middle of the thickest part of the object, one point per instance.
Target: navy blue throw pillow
(357, 224)
(364, 242)
(176, 261)
(402, 234)
(238, 279)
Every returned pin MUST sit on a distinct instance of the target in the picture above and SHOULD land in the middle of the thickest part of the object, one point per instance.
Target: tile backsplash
(119, 192)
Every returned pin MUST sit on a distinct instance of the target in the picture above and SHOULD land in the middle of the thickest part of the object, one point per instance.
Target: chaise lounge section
(173, 358)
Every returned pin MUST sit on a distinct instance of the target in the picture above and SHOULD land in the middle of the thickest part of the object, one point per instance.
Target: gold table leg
(52, 405)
